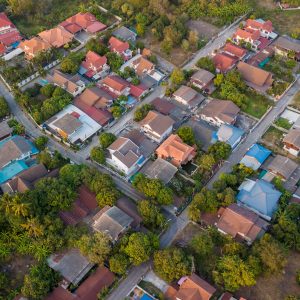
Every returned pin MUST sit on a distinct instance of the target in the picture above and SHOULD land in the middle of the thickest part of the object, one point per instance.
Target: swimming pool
(146, 297)
(12, 170)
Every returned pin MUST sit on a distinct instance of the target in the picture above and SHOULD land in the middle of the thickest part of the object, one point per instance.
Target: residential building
(138, 91)
(120, 47)
(188, 97)
(94, 66)
(27, 179)
(84, 204)
(291, 142)
(9, 34)
(255, 156)
(71, 83)
(203, 80)
(129, 207)
(113, 221)
(141, 65)
(14, 151)
(5, 130)
(260, 196)
(157, 126)
(73, 125)
(163, 106)
(250, 36)
(261, 57)
(125, 155)
(57, 37)
(83, 21)
(71, 265)
(285, 46)
(282, 167)
(224, 62)
(174, 150)
(234, 50)
(219, 112)
(190, 288)
(228, 134)
(264, 27)
(116, 85)
(33, 47)
(125, 34)
(229, 296)
(241, 223)
(256, 78)
(160, 169)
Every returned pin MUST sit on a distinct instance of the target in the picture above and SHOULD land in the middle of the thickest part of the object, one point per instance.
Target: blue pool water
(146, 297)
(263, 63)
(131, 100)
(12, 170)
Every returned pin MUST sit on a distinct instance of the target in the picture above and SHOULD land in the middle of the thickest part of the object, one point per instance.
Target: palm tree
(6, 202)
(18, 207)
(33, 227)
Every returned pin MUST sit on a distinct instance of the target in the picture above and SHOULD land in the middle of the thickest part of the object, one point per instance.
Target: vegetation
(177, 76)
(106, 139)
(4, 109)
(96, 46)
(119, 263)
(186, 133)
(114, 60)
(41, 142)
(284, 123)
(206, 63)
(70, 63)
(17, 127)
(142, 111)
(97, 154)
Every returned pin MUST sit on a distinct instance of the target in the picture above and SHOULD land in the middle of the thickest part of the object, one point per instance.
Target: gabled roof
(203, 76)
(68, 123)
(66, 81)
(124, 33)
(244, 34)
(224, 62)
(260, 195)
(229, 134)
(293, 137)
(56, 37)
(255, 24)
(137, 90)
(163, 106)
(94, 60)
(234, 50)
(115, 82)
(95, 96)
(287, 44)
(118, 45)
(186, 93)
(142, 65)
(34, 46)
(5, 21)
(9, 38)
(237, 220)
(259, 152)
(282, 165)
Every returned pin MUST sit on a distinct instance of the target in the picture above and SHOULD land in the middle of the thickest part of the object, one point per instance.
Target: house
(84, 204)
(229, 134)
(219, 112)
(73, 125)
(94, 66)
(174, 150)
(291, 142)
(9, 34)
(260, 196)
(264, 27)
(83, 21)
(160, 169)
(27, 179)
(157, 126)
(250, 36)
(224, 62)
(190, 288)
(255, 156)
(88, 290)
(116, 85)
(234, 50)
(188, 97)
(112, 221)
(141, 65)
(229, 296)
(71, 83)
(5, 130)
(256, 78)
(14, 151)
(125, 155)
(130, 208)
(286, 46)
(57, 37)
(163, 106)
(125, 34)
(261, 57)
(282, 167)
(203, 80)
(71, 265)
(33, 47)
(241, 223)
(120, 47)
(138, 91)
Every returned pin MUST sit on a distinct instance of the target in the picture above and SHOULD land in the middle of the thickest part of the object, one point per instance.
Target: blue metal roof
(229, 134)
(259, 152)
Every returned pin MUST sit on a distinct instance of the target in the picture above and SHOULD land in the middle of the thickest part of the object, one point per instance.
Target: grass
(273, 136)
(283, 123)
(296, 101)
(151, 289)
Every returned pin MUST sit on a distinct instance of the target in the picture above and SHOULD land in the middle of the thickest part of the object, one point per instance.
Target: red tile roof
(163, 106)
(2, 49)
(224, 62)
(71, 27)
(268, 26)
(244, 34)
(115, 82)
(118, 45)
(10, 37)
(235, 50)
(96, 27)
(94, 60)
(137, 90)
(5, 21)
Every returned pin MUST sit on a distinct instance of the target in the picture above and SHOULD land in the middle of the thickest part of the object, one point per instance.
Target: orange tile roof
(94, 60)
(118, 45)
(82, 19)
(224, 62)
(268, 26)
(34, 46)
(115, 82)
(142, 64)
(244, 34)
(56, 37)
(235, 50)
(176, 150)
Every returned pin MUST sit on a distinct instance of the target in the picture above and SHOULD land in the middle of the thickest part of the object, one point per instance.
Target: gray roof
(203, 76)
(160, 169)
(5, 130)
(71, 265)
(112, 220)
(287, 44)
(282, 166)
(293, 137)
(68, 123)
(124, 33)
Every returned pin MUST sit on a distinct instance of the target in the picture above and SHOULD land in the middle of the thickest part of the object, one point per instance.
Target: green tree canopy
(177, 76)
(186, 133)
(106, 139)
(97, 154)
(119, 263)
(41, 142)
(4, 109)
(151, 214)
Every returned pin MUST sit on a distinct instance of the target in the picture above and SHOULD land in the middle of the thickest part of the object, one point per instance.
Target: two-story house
(116, 85)
(120, 47)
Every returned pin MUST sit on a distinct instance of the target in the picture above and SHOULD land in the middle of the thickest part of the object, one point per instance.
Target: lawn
(296, 101)
(283, 123)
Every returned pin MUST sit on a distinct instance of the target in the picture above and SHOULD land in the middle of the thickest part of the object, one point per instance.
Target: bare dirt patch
(188, 232)
(204, 29)
(276, 287)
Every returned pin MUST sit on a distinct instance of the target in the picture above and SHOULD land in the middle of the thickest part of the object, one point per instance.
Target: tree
(119, 263)
(41, 142)
(220, 150)
(177, 76)
(114, 60)
(71, 175)
(232, 272)
(151, 214)
(141, 246)
(206, 63)
(219, 79)
(185, 45)
(206, 162)
(68, 66)
(39, 282)
(107, 196)
(193, 38)
(95, 46)
(4, 109)
(141, 112)
(171, 264)
(98, 155)
(166, 46)
(270, 253)
(165, 196)
(206, 200)
(95, 247)
(202, 245)
(47, 90)
(106, 139)
(116, 112)
(186, 133)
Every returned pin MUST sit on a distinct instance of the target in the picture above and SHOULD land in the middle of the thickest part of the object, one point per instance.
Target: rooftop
(115, 82)
(293, 137)
(124, 33)
(203, 76)
(229, 134)
(224, 62)
(287, 44)
(234, 50)
(282, 165)
(118, 45)
(56, 37)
